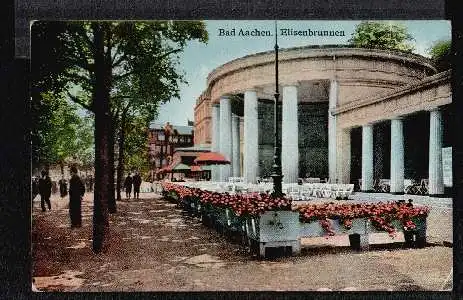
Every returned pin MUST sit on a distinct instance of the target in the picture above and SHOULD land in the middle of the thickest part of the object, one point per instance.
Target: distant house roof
(183, 130)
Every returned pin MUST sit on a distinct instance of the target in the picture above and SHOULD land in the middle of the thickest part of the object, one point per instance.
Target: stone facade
(338, 90)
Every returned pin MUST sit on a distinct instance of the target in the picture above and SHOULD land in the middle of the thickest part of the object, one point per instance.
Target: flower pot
(420, 232)
(358, 242)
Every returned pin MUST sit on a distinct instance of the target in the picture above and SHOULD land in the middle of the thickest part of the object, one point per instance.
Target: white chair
(307, 191)
(294, 193)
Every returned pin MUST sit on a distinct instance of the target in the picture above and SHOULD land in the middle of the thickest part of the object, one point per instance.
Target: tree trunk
(112, 196)
(101, 106)
(120, 165)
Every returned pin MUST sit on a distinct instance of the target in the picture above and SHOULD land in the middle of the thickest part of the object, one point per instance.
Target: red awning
(211, 158)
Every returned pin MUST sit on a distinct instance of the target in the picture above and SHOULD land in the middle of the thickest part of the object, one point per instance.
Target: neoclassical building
(350, 115)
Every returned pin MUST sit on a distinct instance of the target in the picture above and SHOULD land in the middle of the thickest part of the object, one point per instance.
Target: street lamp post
(276, 168)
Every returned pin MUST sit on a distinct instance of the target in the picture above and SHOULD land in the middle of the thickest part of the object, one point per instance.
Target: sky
(199, 59)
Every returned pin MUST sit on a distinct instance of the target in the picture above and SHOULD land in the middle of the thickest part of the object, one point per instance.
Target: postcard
(224, 155)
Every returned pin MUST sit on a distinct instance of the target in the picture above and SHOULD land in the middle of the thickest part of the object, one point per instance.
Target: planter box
(275, 229)
(312, 229)
(359, 226)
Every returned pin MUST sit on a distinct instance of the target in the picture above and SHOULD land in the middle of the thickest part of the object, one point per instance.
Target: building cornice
(298, 53)
(443, 77)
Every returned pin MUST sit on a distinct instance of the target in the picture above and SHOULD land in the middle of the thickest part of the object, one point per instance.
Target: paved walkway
(154, 247)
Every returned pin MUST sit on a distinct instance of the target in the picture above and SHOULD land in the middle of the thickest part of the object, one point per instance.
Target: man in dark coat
(35, 187)
(136, 185)
(76, 192)
(63, 187)
(90, 183)
(128, 186)
(45, 190)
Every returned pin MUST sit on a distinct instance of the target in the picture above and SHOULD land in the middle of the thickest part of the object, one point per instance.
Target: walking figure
(90, 183)
(63, 187)
(136, 185)
(128, 186)
(76, 192)
(45, 190)
(35, 187)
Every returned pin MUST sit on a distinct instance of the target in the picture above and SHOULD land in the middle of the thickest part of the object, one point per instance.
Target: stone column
(436, 177)
(289, 135)
(251, 130)
(236, 146)
(343, 154)
(397, 157)
(367, 158)
(225, 136)
(215, 172)
(333, 100)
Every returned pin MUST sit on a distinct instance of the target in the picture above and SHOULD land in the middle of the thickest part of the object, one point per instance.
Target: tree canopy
(382, 35)
(60, 134)
(440, 53)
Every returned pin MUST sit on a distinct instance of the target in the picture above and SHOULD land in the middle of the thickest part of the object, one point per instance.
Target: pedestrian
(63, 187)
(76, 192)
(136, 185)
(35, 187)
(90, 183)
(45, 190)
(128, 186)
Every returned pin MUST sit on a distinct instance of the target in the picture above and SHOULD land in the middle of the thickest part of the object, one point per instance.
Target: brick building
(164, 139)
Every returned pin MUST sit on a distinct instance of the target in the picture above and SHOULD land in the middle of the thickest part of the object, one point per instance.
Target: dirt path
(154, 247)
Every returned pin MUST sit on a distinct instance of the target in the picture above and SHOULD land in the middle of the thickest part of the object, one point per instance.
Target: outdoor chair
(294, 193)
(411, 187)
(318, 190)
(328, 190)
(344, 191)
(424, 190)
(385, 185)
(307, 191)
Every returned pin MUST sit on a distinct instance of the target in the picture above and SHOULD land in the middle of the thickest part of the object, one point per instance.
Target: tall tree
(97, 56)
(441, 55)
(382, 35)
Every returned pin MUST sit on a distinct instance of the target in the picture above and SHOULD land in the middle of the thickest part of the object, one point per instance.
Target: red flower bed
(380, 214)
(251, 204)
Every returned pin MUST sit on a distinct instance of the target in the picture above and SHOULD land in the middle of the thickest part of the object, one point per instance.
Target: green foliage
(136, 144)
(61, 134)
(144, 53)
(440, 53)
(382, 35)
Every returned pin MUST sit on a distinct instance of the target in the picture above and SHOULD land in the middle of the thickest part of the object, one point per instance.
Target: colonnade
(436, 181)
(226, 136)
(226, 140)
